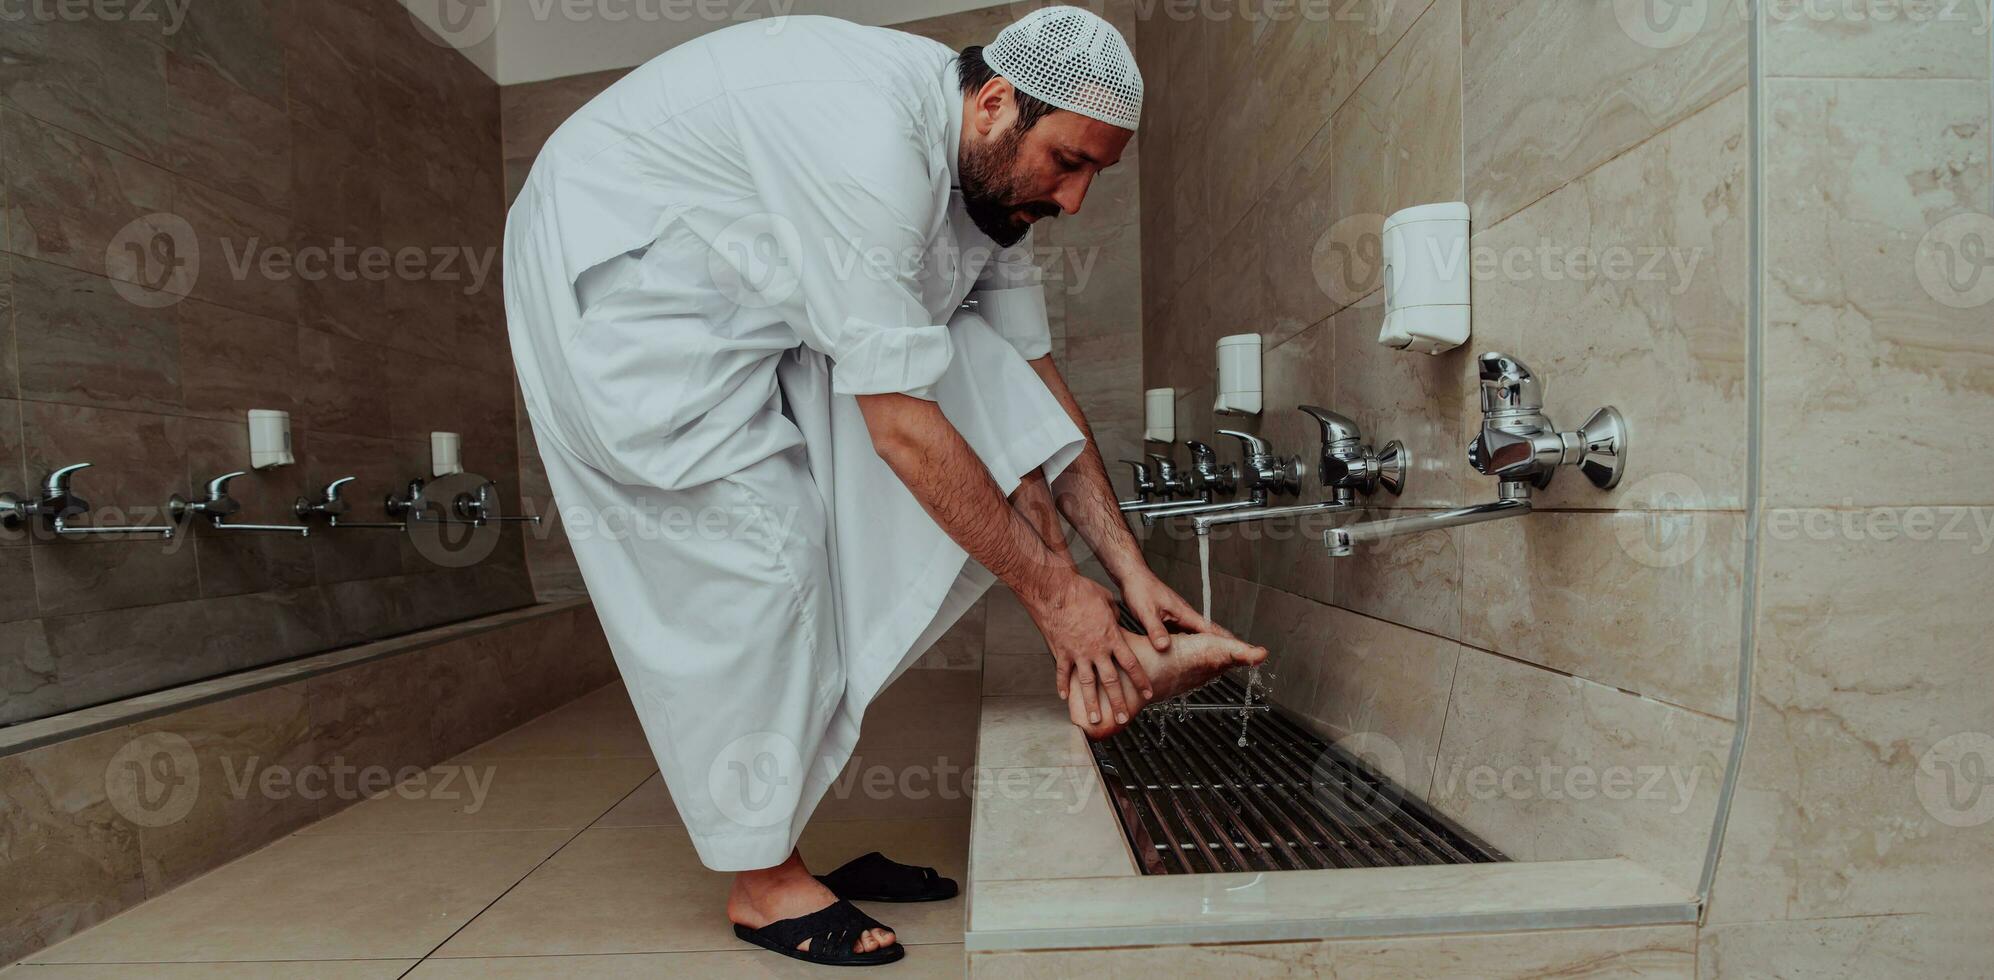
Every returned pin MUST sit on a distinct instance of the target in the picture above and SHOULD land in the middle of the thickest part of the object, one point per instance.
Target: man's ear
(996, 103)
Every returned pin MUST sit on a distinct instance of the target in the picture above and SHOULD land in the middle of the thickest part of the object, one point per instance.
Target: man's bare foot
(785, 892)
(1195, 659)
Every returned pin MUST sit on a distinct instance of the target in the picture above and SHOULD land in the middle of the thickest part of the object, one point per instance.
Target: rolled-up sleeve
(848, 188)
(1010, 294)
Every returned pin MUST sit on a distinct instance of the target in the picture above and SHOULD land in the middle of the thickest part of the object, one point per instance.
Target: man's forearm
(1084, 494)
(938, 466)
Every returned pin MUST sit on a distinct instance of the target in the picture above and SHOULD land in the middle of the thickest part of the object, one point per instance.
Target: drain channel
(1190, 800)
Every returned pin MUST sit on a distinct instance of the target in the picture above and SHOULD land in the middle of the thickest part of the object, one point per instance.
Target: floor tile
(315, 969)
(357, 896)
(649, 805)
(922, 963)
(1027, 732)
(612, 890)
(497, 794)
(597, 725)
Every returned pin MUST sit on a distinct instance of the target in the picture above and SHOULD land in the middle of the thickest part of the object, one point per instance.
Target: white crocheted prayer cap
(1071, 59)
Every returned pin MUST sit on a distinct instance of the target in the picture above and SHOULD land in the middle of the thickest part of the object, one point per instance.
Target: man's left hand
(1157, 607)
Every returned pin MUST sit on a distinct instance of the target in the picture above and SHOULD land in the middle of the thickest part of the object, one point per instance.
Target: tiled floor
(571, 862)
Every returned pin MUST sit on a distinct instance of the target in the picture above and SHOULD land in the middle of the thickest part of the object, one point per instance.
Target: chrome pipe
(1138, 508)
(1342, 542)
(1204, 523)
(1150, 517)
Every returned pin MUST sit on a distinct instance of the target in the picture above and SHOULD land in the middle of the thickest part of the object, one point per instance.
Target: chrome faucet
(1518, 446)
(1170, 484)
(1265, 472)
(1144, 486)
(217, 506)
(480, 507)
(334, 508)
(57, 506)
(1349, 467)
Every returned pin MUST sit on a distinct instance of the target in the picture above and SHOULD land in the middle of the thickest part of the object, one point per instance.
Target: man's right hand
(1077, 616)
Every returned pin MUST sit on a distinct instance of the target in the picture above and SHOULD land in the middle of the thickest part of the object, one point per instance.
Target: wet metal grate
(1190, 800)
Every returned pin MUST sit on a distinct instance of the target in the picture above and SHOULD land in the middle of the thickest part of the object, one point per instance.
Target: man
(733, 284)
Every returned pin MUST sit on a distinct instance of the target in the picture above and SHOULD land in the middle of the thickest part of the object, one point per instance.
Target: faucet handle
(1144, 486)
(1251, 445)
(218, 487)
(1336, 426)
(330, 504)
(1508, 385)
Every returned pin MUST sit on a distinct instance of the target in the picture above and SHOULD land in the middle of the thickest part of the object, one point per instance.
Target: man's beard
(992, 193)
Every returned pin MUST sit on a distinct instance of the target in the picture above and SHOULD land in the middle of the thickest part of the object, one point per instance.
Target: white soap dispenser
(1426, 278)
(1239, 375)
(1159, 415)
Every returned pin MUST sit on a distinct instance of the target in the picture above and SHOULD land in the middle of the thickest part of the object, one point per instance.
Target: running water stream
(1256, 688)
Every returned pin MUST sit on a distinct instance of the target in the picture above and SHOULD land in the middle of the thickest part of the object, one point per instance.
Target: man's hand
(1158, 606)
(1078, 619)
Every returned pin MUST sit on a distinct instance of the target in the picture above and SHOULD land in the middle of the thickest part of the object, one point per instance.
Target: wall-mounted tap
(1145, 486)
(413, 506)
(334, 508)
(57, 506)
(1168, 483)
(480, 506)
(1518, 443)
(1520, 447)
(1266, 472)
(1348, 468)
(1208, 476)
(217, 506)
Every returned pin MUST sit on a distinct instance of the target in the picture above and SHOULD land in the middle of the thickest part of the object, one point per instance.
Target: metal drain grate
(1192, 801)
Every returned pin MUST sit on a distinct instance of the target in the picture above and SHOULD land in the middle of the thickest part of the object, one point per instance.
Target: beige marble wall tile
(1550, 767)
(250, 752)
(1872, 655)
(1553, 89)
(1377, 688)
(1656, 951)
(1758, 865)
(1951, 945)
(1414, 579)
(1654, 318)
(72, 859)
(1645, 602)
(1875, 324)
(1415, 399)
(1855, 40)
(1397, 141)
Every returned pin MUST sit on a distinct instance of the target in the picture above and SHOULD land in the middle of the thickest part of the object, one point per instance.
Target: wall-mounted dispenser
(1426, 278)
(269, 439)
(1159, 415)
(446, 453)
(1239, 375)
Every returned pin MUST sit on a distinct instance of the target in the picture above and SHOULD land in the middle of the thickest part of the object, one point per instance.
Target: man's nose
(1072, 192)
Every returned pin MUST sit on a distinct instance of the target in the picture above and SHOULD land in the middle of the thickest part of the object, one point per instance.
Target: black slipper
(873, 878)
(832, 931)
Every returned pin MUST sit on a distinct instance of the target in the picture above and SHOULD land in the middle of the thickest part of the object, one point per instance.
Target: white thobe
(705, 266)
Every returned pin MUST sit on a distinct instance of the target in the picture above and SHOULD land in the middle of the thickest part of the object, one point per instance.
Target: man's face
(1011, 179)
